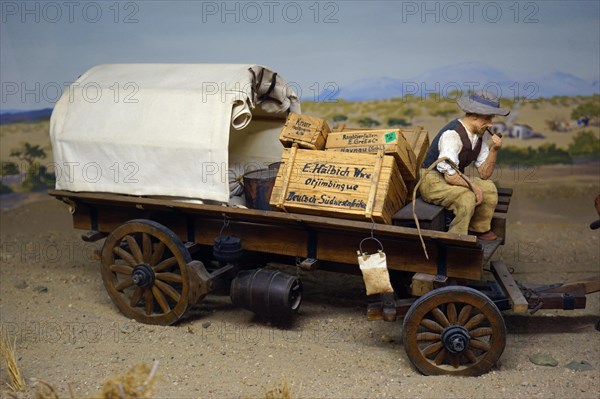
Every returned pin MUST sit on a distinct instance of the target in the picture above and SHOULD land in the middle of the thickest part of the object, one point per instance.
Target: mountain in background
(15, 116)
(464, 77)
(447, 81)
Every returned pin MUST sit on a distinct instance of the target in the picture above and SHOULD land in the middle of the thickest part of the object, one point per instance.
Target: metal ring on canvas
(369, 238)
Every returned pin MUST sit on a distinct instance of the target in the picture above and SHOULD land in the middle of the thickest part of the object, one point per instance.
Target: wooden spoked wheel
(144, 271)
(454, 330)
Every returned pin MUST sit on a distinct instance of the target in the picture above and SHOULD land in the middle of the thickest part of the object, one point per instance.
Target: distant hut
(521, 131)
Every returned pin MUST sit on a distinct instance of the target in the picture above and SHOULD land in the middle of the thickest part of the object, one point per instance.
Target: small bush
(368, 122)
(585, 145)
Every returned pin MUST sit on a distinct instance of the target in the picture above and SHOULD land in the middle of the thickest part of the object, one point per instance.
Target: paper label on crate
(362, 150)
(361, 138)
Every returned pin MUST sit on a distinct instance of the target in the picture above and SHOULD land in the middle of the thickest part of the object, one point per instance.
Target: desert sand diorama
(69, 337)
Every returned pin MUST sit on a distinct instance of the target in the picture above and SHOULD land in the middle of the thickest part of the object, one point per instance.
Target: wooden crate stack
(353, 185)
(408, 146)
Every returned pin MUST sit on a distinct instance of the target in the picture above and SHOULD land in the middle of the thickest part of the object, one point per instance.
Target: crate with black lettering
(391, 141)
(306, 131)
(344, 185)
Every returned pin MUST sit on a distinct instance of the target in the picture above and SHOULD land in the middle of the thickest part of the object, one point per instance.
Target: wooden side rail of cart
(331, 241)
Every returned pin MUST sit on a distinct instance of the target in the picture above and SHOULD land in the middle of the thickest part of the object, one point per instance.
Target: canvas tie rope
(414, 195)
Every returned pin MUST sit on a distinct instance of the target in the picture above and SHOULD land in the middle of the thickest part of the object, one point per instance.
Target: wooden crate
(350, 186)
(418, 139)
(391, 141)
(307, 131)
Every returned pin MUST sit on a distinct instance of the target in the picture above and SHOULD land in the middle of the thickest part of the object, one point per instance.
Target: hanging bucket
(227, 249)
(269, 293)
(258, 186)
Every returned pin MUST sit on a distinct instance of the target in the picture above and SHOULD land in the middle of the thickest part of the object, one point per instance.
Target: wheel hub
(455, 339)
(143, 275)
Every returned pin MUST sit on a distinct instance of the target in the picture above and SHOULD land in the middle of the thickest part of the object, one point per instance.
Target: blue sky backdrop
(315, 44)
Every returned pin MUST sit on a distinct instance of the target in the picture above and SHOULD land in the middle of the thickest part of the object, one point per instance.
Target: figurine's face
(482, 123)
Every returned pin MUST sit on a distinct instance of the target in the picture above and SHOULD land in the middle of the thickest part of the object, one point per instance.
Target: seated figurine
(455, 147)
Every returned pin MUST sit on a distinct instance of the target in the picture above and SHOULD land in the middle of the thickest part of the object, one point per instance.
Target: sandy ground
(67, 330)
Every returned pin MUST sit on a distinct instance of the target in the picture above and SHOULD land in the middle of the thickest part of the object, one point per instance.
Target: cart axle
(143, 275)
(455, 339)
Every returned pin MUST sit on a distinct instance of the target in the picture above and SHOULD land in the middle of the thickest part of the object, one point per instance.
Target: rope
(414, 195)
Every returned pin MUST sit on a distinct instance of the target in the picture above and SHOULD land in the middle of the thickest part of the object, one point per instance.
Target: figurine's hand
(496, 143)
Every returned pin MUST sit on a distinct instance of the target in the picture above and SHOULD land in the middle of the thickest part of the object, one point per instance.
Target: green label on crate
(391, 136)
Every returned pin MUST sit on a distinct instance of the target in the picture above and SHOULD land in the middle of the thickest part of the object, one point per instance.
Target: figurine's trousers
(461, 201)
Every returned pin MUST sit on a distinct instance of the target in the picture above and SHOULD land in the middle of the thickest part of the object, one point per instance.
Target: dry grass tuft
(137, 383)
(282, 392)
(44, 390)
(7, 351)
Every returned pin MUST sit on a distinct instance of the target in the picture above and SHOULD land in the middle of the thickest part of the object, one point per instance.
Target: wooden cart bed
(332, 241)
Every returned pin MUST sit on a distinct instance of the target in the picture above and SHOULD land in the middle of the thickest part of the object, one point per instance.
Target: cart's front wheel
(144, 271)
(454, 330)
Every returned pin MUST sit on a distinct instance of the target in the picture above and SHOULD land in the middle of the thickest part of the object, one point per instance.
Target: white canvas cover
(168, 129)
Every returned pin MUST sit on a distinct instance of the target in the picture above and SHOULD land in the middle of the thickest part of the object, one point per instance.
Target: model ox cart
(161, 176)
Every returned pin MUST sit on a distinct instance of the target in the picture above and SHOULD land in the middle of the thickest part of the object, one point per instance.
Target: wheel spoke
(470, 356)
(135, 298)
(148, 297)
(428, 336)
(160, 298)
(124, 284)
(167, 289)
(433, 348)
(455, 360)
(481, 332)
(165, 264)
(475, 321)
(477, 344)
(167, 276)
(451, 311)
(431, 325)
(135, 249)
(439, 358)
(440, 317)
(146, 247)
(123, 269)
(159, 250)
(465, 312)
(126, 256)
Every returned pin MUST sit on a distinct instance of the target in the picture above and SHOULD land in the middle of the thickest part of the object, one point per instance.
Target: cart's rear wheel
(454, 330)
(144, 271)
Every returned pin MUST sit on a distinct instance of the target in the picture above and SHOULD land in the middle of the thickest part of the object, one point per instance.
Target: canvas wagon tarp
(172, 130)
